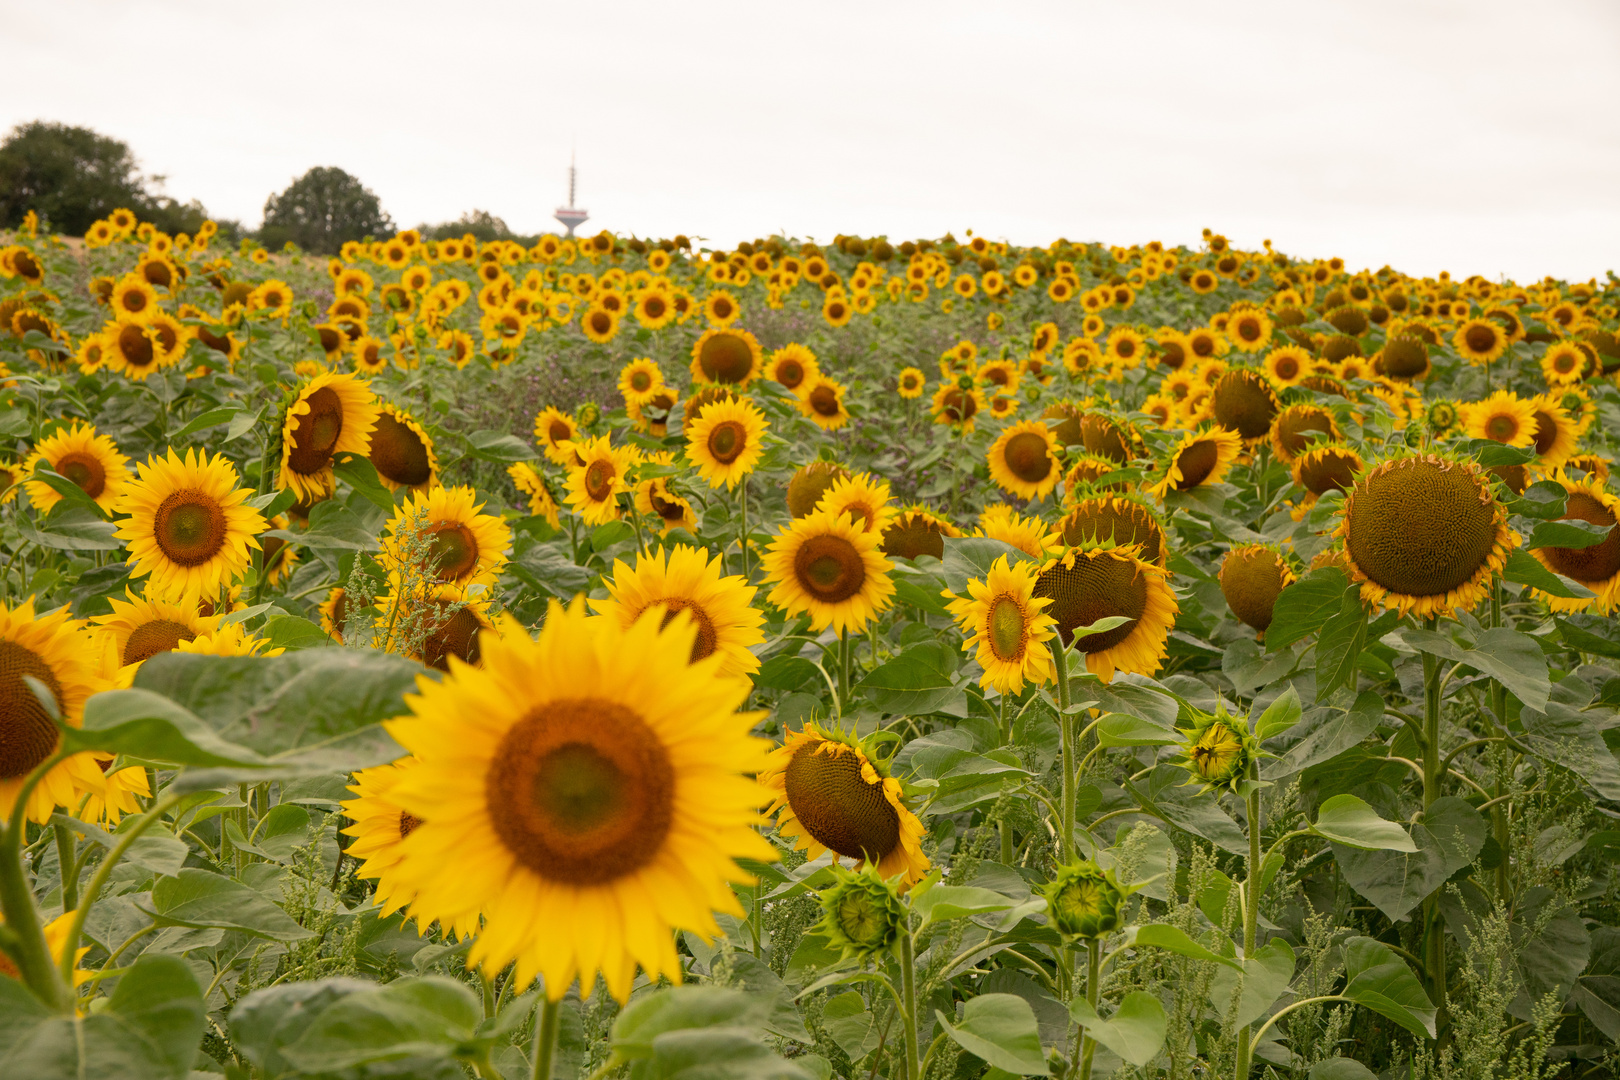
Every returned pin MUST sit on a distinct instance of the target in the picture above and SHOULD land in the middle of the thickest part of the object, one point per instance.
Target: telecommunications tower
(569, 215)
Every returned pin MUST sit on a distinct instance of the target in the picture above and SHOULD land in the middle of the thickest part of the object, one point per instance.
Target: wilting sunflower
(402, 451)
(1023, 460)
(1424, 534)
(724, 355)
(1504, 417)
(90, 460)
(916, 532)
(1555, 432)
(640, 380)
(189, 527)
(1480, 341)
(822, 400)
(332, 414)
(1003, 619)
(1028, 534)
(830, 796)
(594, 485)
(1251, 578)
(555, 430)
(1244, 402)
(1202, 457)
(1293, 431)
(441, 535)
(1115, 521)
(531, 484)
(1404, 358)
(1596, 567)
(612, 803)
(1088, 584)
(724, 441)
(686, 579)
(792, 366)
(829, 565)
(956, 404)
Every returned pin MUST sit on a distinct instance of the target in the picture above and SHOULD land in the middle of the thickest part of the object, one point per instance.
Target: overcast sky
(1478, 136)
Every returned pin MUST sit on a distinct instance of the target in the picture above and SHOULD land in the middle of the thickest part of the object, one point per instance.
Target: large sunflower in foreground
(1202, 457)
(1089, 584)
(1424, 534)
(829, 565)
(445, 537)
(594, 485)
(142, 627)
(189, 525)
(829, 796)
(686, 579)
(90, 460)
(588, 791)
(1596, 567)
(1003, 619)
(1504, 417)
(726, 355)
(332, 414)
(55, 650)
(1023, 460)
(402, 451)
(724, 441)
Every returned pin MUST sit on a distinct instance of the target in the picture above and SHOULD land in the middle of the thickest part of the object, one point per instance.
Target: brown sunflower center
(824, 400)
(1286, 366)
(790, 373)
(407, 823)
(559, 432)
(455, 635)
(27, 735)
(726, 358)
(836, 805)
(1096, 587)
(398, 453)
(829, 568)
(640, 381)
(707, 639)
(1248, 329)
(84, 470)
(727, 441)
(315, 433)
(135, 346)
(189, 527)
(1421, 527)
(1502, 427)
(1006, 628)
(599, 480)
(958, 405)
(1546, 431)
(134, 301)
(157, 636)
(1480, 339)
(1027, 458)
(454, 550)
(654, 307)
(1196, 462)
(581, 791)
(1597, 563)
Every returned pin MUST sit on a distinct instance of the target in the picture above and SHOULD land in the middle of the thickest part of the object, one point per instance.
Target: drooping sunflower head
(726, 355)
(684, 579)
(1004, 622)
(1244, 402)
(810, 483)
(1113, 521)
(1297, 427)
(1504, 417)
(1084, 902)
(1085, 475)
(402, 451)
(1252, 577)
(530, 483)
(1424, 533)
(916, 532)
(724, 441)
(1217, 749)
(861, 913)
(829, 565)
(1088, 586)
(1202, 457)
(189, 525)
(1325, 469)
(331, 414)
(79, 454)
(1108, 437)
(830, 795)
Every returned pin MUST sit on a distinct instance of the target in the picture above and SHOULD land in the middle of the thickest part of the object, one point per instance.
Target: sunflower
(599, 324)
(1504, 417)
(861, 497)
(334, 612)
(90, 460)
(809, 483)
(1251, 578)
(654, 496)
(1563, 364)
(1597, 567)
(437, 623)
(533, 485)
(614, 798)
(792, 366)
(271, 300)
(369, 358)
(1201, 457)
(1593, 465)
(1244, 402)
(957, 404)
(1088, 584)
(686, 579)
(1028, 534)
(822, 400)
(132, 349)
(1555, 432)
(134, 299)
(911, 383)
(556, 431)
(1023, 460)
(1480, 341)
(1293, 429)
(1124, 348)
(115, 794)
(654, 308)
(1115, 521)
(1404, 358)
(11, 476)
(189, 526)
(916, 532)
(140, 628)
(724, 441)
(1001, 375)
(595, 483)
(640, 380)
(1086, 472)
(402, 451)
(1323, 469)
(830, 796)
(1002, 618)
(332, 414)
(829, 565)
(724, 355)
(1287, 365)
(55, 650)
(1249, 329)
(1002, 406)
(1424, 534)
(440, 534)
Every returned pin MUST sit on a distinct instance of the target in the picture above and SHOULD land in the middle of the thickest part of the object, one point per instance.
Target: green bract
(861, 914)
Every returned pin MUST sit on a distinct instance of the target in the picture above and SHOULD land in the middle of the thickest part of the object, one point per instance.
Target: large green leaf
(917, 681)
(1122, 729)
(1447, 839)
(999, 1029)
(1379, 980)
(1327, 732)
(267, 1021)
(652, 1015)
(971, 557)
(1341, 1069)
(1174, 939)
(1339, 645)
(1567, 534)
(1568, 736)
(1508, 656)
(70, 527)
(1345, 819)
(1304, 606)
(430, 1017)
(1265, 977)
(1278, 717)
(1136, 1030)
(1167, 793)
(146, 725)
(940, 903)
(197, 897)
(1524, 568)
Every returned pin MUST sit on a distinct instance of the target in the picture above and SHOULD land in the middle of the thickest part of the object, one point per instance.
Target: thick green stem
(70, 944)
(1088, 1045)
(908, 993)
(34, 962)
(1434, 931)
(545, 1037)
(1060, 658)
(1499, 812)
(843, 670)
(742, 532)
(67, 862)
(1251, 910)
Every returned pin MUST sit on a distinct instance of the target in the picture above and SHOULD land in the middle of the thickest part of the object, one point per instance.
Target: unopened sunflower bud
(1218, 749)
(861, 914)
(1084, 901)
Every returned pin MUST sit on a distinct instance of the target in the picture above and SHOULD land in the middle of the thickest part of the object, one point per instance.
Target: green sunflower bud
(588, 414)
(1084, 901)
(964, 382)
(1442, 417)
(861, 914)
(1218, 750)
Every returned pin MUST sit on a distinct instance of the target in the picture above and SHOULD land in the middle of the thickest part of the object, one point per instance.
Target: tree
(478, 223)
(70, 175)
(321, 211)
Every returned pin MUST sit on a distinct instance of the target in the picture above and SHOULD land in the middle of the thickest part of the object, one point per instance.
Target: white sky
(1479, 136)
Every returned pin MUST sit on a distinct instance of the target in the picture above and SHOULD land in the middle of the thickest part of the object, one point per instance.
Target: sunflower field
(932, 660)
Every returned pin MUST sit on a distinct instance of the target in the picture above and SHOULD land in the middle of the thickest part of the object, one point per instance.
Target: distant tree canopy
(321, 211)
(479, 223)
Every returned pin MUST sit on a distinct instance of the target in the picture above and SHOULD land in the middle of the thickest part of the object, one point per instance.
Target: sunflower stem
(1434, 934)
(843, 671)
(545, 1037)
(1066, 728)
(1251, 907)
(1499, 821)
(908, 992)
(33, 955)
(742, 529)
(1088, 1045)
(68, 865)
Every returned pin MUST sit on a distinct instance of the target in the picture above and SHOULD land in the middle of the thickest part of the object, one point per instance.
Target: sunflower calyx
(1084, 901)
(861, 914)
(1218, 749)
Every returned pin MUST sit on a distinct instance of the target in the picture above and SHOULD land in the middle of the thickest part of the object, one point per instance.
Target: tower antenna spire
(571, 216)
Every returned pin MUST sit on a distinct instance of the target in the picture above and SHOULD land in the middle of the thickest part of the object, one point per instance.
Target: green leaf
(361, 475)
(1567, 534)
(1280, 715)
(1304, 606)
(614, 532)
(211, 418)
(1524, 568)
(1508, 656)
(1447, 839)
(1328, 732)
(1348, 820)
(157, 849)
(196, 897)
(969, 557)
(1174, 939)
(332, 527)
(70, 527)
(1168, 794)
(145, 725)
(917, 681)
(1589, 633)
(1136, 1030)
(70, 492)
(1001, 1030)
(1120, 729)
(786, 673)
(1377, 979)
(648, 1017)
(1265, 977)
(1573, 739)
(848, 1021)
(940, 903)
(1339, 645)
(294, 632)
(244, 423)
(1341, 1069)
(1490, 453)
(267, 1021)
(496, 446)
(411, 1018)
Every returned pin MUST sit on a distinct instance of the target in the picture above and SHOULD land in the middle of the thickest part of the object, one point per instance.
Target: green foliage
(321, 211)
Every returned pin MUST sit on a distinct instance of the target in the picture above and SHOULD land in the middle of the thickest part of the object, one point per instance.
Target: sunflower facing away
(916, 532)
(724, 441)
(608, 802)
(829, 796)
(1596, 567)
(1115, 521)
(1202, 457)
(686, 579)
(332, 414)
(189, 525)
(1087, 585)
(533, 486)
(58, 652)
(1424, 534)
(829, 565)
(1023, 460)
(459, 545)
(402, 451)
(595, 484)
(1003, 619)
(90, 460)
(1251, 577)
(724, 355)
